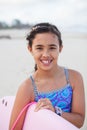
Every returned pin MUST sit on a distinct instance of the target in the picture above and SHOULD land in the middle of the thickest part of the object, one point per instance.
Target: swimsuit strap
(67, 75)
(34, 87)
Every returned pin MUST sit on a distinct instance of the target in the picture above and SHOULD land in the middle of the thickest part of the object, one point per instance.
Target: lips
(46, 62)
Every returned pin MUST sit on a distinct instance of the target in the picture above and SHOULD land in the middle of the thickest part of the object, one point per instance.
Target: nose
(46, 53)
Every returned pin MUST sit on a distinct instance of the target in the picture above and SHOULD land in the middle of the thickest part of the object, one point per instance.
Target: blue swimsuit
(60, 97)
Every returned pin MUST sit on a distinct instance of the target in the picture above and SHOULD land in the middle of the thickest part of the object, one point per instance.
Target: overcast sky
(64, 13)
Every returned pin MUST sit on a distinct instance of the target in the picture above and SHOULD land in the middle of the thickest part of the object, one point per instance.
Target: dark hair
(43, 28)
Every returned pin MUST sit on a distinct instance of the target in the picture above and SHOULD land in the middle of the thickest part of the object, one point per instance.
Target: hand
(44, 103)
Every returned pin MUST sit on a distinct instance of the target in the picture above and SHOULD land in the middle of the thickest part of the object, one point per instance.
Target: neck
(48, 73)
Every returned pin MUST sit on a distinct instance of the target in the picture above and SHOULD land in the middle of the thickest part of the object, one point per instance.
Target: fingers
(44, 103)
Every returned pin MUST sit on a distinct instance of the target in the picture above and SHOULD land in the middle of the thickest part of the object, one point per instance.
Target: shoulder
(74, 73)
(25, 89)
(75, 78)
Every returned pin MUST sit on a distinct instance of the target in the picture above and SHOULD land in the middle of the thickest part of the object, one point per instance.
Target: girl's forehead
(45, 41)
(46, 34)
(45, 37)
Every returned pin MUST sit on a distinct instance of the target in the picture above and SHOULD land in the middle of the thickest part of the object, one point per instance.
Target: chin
(46, 68)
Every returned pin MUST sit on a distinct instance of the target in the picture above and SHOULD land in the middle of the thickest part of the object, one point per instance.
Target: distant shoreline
(22, 33)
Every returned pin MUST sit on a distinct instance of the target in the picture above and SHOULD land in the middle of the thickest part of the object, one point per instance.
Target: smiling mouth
(46, 62)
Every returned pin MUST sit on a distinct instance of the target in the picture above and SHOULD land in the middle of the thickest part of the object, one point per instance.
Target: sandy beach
(16, 63)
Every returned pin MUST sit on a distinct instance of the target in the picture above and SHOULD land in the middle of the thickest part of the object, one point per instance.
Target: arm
(77, 114)
(23, 97)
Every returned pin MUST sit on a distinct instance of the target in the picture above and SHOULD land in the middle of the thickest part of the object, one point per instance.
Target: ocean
(16, 63)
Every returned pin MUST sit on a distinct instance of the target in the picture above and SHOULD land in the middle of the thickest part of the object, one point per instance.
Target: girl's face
(45, 50)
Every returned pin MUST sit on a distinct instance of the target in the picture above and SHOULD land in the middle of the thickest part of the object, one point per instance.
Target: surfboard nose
(6, 104)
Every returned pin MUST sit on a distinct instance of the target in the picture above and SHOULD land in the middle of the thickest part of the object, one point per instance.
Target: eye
(39, 48)
(52, 48)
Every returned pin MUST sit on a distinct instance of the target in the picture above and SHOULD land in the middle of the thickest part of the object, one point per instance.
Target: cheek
(35, 54)
(56, 53)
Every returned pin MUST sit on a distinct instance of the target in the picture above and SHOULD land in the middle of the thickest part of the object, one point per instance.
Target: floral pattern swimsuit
(60, 97)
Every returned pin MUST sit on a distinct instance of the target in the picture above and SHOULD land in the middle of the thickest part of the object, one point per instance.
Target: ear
(29, 49)
(60, 49)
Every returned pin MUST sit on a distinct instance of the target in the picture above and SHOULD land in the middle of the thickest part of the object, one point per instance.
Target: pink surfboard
(42, 120)
(6, 104)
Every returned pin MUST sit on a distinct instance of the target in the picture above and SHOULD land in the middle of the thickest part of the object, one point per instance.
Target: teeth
(46, 61)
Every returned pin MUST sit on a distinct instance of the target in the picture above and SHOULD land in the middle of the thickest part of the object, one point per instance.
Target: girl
(51, 86)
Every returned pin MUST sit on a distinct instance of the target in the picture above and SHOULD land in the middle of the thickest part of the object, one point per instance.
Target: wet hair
(43, 28)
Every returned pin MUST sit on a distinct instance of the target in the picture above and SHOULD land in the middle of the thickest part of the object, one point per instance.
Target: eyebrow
(51, 45)
(38, 45)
